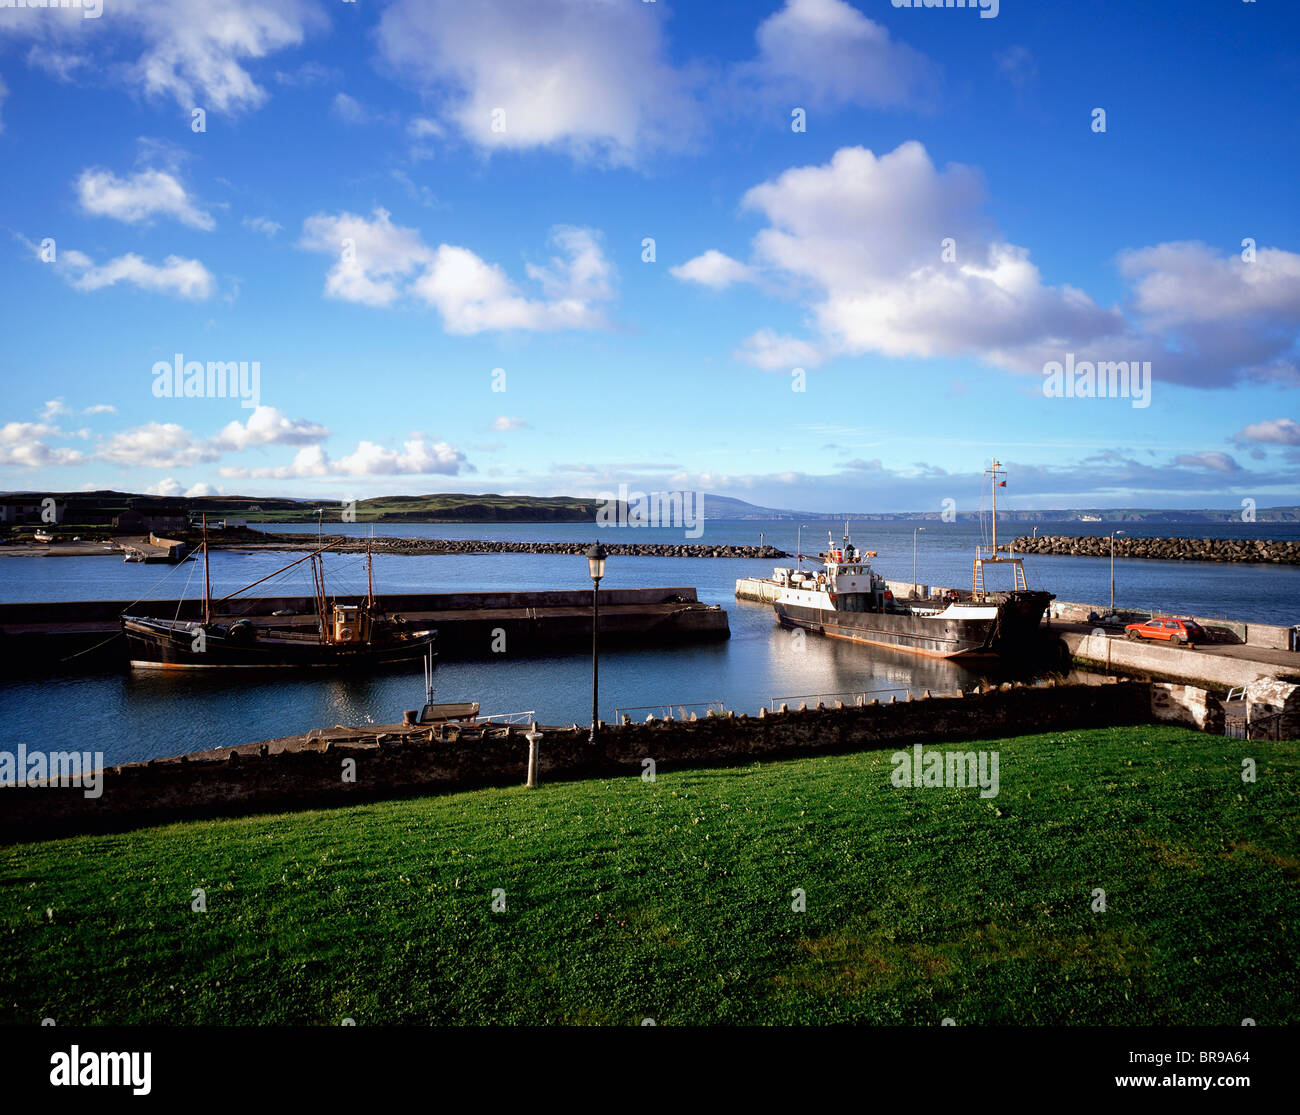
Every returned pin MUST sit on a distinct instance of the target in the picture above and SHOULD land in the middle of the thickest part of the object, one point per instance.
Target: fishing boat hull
(154, 644)
(1007, 628)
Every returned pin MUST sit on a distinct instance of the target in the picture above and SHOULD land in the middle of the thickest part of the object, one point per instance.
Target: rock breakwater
(1164, 549)
(249, 540)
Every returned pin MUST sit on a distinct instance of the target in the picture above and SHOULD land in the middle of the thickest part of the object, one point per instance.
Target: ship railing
(677, 710)
(509, 717)
(856, 696)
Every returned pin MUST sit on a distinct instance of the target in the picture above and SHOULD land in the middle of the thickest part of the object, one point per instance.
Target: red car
(1176, 631)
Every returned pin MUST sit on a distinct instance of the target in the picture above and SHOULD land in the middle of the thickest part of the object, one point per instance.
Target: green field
(672, 900)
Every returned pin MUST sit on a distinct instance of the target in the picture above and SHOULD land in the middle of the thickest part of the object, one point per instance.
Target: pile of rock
(423, 546)
(1169, 549)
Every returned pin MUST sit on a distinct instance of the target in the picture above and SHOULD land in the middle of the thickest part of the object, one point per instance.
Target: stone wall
(1274, 697)
(1186, 704)
(454, 759)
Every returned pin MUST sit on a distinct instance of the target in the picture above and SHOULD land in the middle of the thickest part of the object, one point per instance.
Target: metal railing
(1267, 727)
(509, 717)
(675, 711)
(853, 694)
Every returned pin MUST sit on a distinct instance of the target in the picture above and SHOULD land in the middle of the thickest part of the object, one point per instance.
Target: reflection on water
(147, 714)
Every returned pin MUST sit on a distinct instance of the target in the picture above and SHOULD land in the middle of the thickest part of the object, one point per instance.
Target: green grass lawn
(672, 900)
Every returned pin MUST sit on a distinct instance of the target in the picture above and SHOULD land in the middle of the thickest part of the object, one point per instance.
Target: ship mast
(370, 580)
(207, 583)
(992, 473)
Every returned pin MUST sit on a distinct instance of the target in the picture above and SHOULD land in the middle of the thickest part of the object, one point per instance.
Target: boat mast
(207, 583)
(993, 473)
(370, 580)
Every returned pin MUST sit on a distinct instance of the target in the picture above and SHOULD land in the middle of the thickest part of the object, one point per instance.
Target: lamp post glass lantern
(596, 555)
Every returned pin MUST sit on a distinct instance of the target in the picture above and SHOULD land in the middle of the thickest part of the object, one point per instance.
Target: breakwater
(1165, 549)
(302, 773)
(245, 539)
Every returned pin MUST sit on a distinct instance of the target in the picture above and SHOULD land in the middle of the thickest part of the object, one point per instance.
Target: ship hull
(1009, 632)
(160, 645)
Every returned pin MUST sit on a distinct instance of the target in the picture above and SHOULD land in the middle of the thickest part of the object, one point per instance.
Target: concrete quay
(75, 636)
(1214, 666)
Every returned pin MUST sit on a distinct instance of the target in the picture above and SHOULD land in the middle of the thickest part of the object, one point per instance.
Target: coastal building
(28, 509)
(145, 519)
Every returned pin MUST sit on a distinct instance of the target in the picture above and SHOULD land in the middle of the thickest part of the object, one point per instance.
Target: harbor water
(148, 714)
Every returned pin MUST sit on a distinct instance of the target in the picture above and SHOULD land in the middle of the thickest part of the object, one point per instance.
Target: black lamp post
(596, 567)
(1112, 568)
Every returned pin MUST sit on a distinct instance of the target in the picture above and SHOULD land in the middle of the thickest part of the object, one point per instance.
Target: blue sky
(389, 201)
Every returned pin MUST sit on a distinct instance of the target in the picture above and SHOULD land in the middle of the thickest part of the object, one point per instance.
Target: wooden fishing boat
(337, 636)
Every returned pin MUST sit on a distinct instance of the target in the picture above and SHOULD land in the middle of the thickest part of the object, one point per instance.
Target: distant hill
(461, 507)
(724, 507)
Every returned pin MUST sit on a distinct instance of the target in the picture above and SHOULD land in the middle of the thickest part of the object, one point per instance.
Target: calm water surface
(144, 715)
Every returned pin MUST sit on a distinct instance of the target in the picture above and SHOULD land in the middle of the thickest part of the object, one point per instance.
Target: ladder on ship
(1018, 577)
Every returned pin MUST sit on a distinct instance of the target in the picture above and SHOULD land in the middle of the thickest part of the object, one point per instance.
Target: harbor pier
(77, 636)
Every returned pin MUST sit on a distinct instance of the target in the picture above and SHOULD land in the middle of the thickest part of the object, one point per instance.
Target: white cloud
(172, 487)
(711, 269)
(169, 445)
(36, 454)
(61, 65)
(372, 256)
(22, 445)
(379, 262)
(421, 127)
(473, 296)
(502, 422)
(56, 407)
(1272, 431)
(1211, 319)
(417, 457)
(179, 277)
(308, 74)
(351, 111)
(861, 241)
(194, 51)
(139, 197)
(269, 426)
(590, 78)
(348, 109)
(1214, 461)
(774, 351)
(157, 445)
(264, 225)
(169, 487)
(827, 53)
